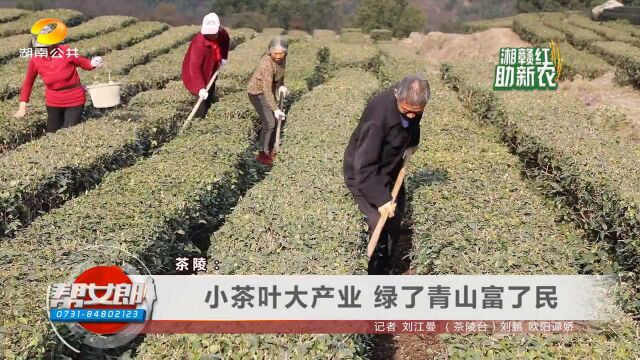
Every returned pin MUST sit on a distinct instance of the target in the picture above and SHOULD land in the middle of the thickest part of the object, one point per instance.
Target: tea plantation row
(148, 208)
(581, 164)
(34, 181)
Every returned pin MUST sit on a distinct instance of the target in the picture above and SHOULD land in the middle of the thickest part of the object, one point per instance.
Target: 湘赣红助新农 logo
(48, 31)
(528, 68)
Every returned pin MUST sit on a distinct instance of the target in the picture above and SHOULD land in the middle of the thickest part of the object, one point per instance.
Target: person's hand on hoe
(409, 153)
(22, 110)
(283, 92)
(203, 94)
(279, 114)
(388, 208)
(96, 62)
(223, 63)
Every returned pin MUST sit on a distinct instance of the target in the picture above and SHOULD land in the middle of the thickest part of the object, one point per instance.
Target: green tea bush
(380, 34)
(12, 73)
(272, 31)
(482, 25)
(121, 39)
(11, 14)
(324, 35)
(298, 34)
(121, 61)
(472, 213)
(350, 30)
(247, 33)
(152, 75)
(624, 56)
(353, 38)
(94, 27)
(34, 181)
(23, 24)
(240, 35)
(623, 26)
(141, 78)
(148, 208)
(530, 28)
(360, 55)
(582, 165)
(157, 73)
(144, 209)
(579, 37)
(242, 62)
(269, 233)
(581, 62)
(609, 33)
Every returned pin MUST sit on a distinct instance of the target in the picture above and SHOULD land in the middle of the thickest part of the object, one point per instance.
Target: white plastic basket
(104, 95)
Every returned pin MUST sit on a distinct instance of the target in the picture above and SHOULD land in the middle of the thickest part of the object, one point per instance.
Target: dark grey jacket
(373, 157)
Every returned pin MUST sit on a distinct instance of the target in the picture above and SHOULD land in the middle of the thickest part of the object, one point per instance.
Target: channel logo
(102, 306)
(54, 34)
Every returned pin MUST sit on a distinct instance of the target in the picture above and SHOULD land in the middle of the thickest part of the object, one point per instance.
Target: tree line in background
(400, 16)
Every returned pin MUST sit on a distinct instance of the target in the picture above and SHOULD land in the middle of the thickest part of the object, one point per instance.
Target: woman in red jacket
(208, 51)
(64, 94)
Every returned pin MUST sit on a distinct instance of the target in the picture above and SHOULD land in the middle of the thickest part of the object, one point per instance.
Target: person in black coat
(389, 130)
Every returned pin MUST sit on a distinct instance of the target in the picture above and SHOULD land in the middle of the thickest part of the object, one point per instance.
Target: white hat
(210, 24)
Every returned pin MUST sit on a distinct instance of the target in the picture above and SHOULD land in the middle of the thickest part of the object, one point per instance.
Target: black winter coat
(373, 157)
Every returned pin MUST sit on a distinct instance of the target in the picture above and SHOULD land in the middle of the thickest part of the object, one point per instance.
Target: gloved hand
(203, 93)
(409, 153)
(223, 62)
(279, 114)
(22, 110)
(96, 62)
(389, 208)
(283, 92)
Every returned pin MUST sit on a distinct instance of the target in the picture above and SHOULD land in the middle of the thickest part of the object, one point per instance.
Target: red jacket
(203, 59)
(60, 77)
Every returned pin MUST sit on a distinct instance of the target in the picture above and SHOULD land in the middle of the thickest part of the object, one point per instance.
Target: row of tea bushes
(324, 35)
(472, 213)
(144, 209)
(580, 62)
(623, 26)
(149, 209)
(607, 32)
(482, 25)
(355, 55)
(380, 34)
(94, 27)
(582, 164)
(49, 181)
(22, 25)
(299, 220)
(9, 14)
(12, 73)
(44, 173)
(242, 62)
(121, 61)
(530, 28)
(152, 75)
(624, 56)
(14, 132)
(275, 31)
(578, 36)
